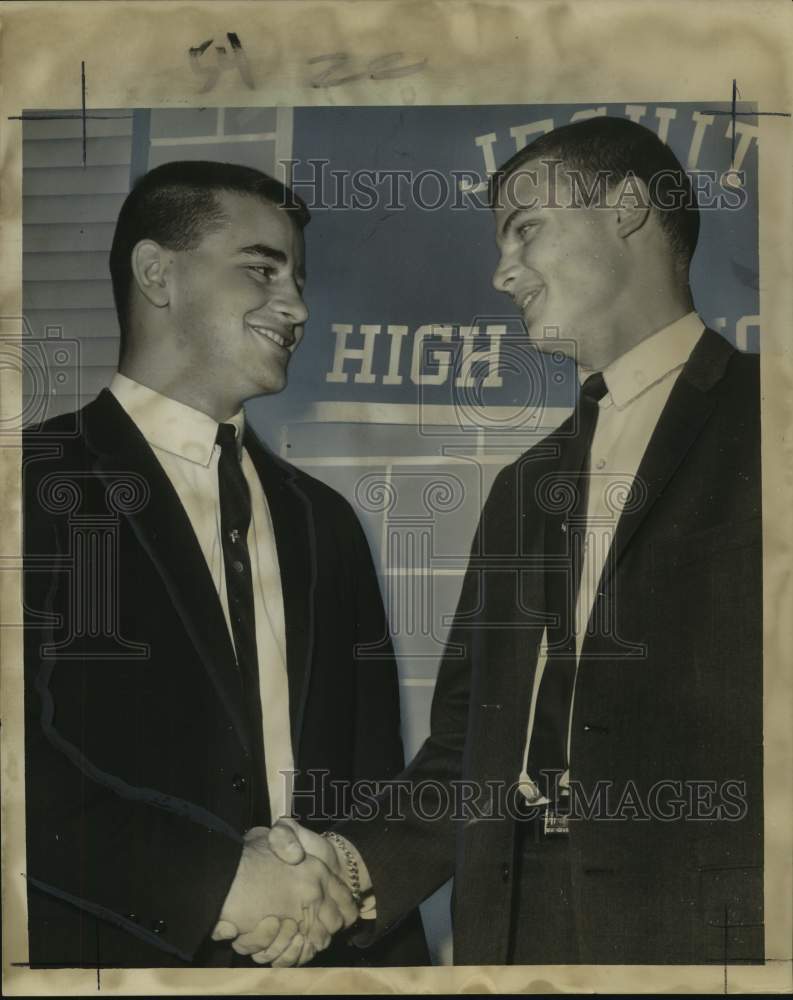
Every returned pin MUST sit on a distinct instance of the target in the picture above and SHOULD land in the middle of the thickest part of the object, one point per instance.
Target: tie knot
(227, 438)
(594, 387)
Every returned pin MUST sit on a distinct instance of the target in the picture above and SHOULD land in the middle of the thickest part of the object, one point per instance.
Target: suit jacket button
(159, 926)
(239, 783)
(505, 872)
(133, 917)
(592, 727)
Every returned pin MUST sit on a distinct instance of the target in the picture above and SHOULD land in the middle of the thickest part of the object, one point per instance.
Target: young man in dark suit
(195, 611)
(606, 713)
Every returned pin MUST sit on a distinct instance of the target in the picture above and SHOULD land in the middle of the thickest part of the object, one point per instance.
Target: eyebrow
(262, 250)
(514, 214)
(510, 220)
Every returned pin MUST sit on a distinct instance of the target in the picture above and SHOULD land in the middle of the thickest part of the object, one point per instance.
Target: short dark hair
(176, 205)
(618, 148)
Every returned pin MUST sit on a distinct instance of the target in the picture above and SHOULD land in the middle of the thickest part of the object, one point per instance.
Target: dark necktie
(235, 517)
(564, 543)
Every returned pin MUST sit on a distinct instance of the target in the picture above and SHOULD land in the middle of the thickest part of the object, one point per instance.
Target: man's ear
(151, 266)
(632, 204)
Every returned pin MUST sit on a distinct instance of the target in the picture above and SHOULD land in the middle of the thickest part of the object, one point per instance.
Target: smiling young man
(211, 322)
(194, 606)
(605, 716)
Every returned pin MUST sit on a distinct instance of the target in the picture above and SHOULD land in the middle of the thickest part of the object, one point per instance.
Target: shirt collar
(648, 362)
(170, 425)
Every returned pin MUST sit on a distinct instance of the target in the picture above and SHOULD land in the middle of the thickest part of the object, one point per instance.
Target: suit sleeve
(378, 750)
(157, 867)
(408, 844)
(379, 754)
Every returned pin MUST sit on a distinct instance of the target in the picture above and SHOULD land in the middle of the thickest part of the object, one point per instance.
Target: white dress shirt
(183, 439)
(639, 383)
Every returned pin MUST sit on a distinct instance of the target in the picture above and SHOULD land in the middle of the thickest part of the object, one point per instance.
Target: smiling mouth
(276, 338)
(528, 298)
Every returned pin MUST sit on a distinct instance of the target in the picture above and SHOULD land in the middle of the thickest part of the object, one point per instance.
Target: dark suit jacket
(671, 692)
(138, 776)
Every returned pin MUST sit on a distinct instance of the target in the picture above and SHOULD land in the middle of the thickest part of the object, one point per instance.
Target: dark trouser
(543, 930)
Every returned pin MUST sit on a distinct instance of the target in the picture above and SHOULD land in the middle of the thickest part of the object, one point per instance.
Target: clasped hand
(288, 897)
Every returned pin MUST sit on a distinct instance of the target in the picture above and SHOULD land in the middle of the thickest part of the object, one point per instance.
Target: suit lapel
(687, 410)
(293, 526)
(164, 531)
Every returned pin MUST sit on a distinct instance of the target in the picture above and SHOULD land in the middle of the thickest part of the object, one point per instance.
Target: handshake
(293, 891)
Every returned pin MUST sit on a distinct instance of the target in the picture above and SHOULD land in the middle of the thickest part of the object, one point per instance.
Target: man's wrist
(354, 872)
